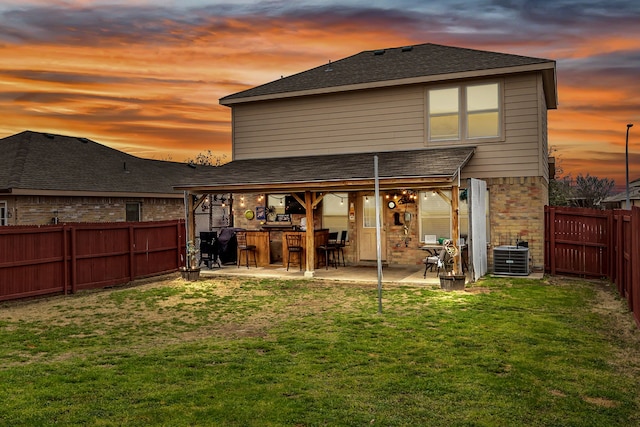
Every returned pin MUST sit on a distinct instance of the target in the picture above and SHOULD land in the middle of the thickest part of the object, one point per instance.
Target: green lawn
(249, 352)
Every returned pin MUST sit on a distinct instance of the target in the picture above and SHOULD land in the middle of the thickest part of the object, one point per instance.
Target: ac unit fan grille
(511, 261)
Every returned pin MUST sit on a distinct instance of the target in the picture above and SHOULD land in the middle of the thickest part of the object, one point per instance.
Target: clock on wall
(391, 204)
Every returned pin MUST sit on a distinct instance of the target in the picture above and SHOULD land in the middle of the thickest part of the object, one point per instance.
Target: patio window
(275, 205)
(335, 212)
(435, 215)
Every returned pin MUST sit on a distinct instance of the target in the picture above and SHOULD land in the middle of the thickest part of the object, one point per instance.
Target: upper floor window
(466, 112)
(3, 213)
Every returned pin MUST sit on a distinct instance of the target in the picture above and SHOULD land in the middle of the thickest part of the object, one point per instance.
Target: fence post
(74, 261)
(132, 248)
(65, 260)
(552, 239)
(634, 259)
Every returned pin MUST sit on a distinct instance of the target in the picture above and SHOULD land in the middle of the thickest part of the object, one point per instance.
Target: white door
(477, 191)
(367, 247)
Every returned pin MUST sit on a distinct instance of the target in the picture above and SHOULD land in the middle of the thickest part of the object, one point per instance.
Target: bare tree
(207, 158)
(590, 191)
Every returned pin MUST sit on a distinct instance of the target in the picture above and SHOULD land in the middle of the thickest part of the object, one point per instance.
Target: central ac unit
(511, 260)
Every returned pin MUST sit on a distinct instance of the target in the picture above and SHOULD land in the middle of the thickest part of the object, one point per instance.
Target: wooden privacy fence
(42, 260)
(595, 243)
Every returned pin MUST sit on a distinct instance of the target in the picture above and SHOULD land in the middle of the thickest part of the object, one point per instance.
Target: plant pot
(454, 282)
(191, 274)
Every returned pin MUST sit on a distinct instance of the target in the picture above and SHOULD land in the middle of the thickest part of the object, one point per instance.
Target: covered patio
(309, 178)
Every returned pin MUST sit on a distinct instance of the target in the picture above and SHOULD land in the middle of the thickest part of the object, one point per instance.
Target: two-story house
(460, 138)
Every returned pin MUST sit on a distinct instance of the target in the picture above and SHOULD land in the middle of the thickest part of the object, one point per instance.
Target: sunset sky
(145, 76)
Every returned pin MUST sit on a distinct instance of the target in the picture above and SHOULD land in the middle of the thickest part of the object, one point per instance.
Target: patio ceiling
(421, 168)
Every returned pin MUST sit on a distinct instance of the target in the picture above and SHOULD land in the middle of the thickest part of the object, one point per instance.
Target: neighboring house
(46, 178)
(435, 116)
(619, 201)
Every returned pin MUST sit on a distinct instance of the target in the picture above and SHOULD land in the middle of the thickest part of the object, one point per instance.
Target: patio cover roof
(335, 172)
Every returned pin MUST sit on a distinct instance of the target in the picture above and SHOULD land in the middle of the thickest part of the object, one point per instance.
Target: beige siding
(388, 119)
(391, 119)
(518, 155)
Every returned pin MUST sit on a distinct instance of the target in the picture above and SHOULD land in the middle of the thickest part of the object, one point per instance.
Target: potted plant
(191, 271)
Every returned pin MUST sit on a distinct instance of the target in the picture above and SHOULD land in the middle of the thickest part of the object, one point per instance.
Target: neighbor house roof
(399, 66)
(47, 164)
(634, 193)
(355, 171)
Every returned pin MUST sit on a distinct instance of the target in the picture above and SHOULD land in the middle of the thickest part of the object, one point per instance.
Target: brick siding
(40, 210)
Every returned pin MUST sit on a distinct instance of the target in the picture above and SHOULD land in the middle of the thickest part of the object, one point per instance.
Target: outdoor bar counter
(271, 244)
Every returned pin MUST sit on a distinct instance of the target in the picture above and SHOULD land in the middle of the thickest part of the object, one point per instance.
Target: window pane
(369, 212)
(133, 211)
(3, 213)
(483, 97)
(482, 125)
(444, 117)
(335, 211)
(435, 215)
(443, 101)
(483, 119)
(444, 127)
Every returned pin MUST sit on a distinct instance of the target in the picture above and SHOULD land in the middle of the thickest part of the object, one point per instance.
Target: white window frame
(463, 115)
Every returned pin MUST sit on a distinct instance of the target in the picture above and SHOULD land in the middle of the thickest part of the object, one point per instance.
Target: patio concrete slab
(390, 274)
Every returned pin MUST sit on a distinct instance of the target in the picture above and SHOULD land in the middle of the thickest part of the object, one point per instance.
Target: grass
(249, 352)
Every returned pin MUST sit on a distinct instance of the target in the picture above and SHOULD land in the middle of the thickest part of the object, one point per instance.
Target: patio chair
(442, 260)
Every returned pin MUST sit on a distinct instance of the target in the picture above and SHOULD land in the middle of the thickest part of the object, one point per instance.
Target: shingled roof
(401, 65)
(334, 171)
(42, 163)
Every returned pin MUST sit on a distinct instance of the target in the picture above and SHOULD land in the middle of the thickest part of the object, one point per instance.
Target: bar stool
(340, 245)
(329, 249)
(244, 247)
(294, 246)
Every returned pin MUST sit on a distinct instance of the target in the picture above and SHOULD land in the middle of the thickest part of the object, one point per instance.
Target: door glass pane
(369, 212)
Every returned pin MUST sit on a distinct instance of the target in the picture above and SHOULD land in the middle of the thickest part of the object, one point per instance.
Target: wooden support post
(310, 243)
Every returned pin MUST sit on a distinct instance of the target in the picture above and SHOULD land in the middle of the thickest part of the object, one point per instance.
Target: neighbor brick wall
(39, 210)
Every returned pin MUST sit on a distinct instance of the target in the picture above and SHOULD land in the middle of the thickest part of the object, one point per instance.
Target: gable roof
(401, 65)
(41, 163)
(335, 172)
